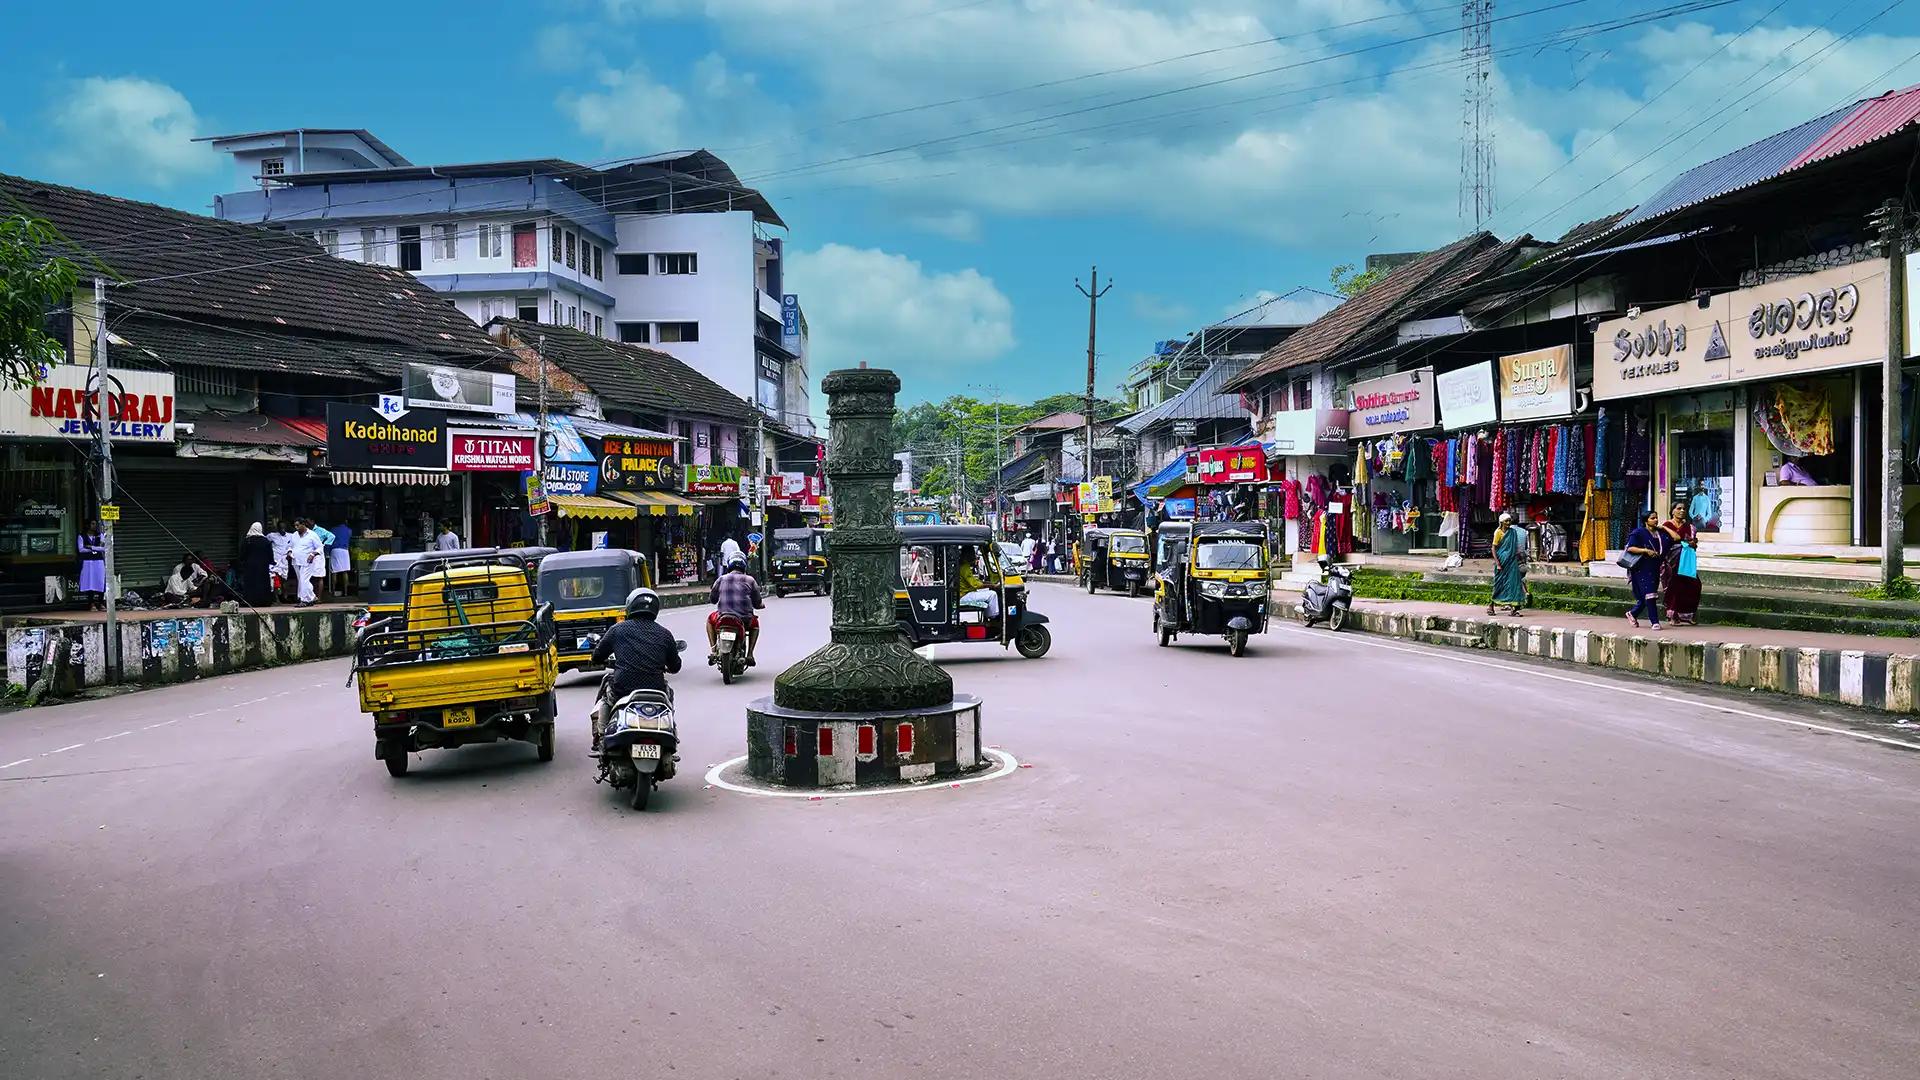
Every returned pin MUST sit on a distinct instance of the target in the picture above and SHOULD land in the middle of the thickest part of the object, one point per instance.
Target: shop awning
(388, 477)
(592, 506)
(660, 503)
(1172, 475)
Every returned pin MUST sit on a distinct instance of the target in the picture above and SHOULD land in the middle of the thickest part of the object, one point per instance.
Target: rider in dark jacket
(641, 652)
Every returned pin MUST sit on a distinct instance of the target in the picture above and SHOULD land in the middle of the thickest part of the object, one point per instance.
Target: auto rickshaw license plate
(458, 717)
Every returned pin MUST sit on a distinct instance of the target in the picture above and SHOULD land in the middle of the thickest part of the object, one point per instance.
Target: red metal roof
(1870, 121)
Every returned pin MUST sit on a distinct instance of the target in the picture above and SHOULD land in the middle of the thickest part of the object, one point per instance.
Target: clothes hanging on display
(1598, 507)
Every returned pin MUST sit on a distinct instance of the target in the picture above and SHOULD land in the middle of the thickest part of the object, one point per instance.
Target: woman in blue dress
(1650, 544)
(1509, 566)
(93, 565)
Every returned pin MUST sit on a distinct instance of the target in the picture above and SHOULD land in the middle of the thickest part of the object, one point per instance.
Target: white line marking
(63, 749)
(1440, 652)
(11, 764)
(162, 723)
(1008, 763)
(104, 738)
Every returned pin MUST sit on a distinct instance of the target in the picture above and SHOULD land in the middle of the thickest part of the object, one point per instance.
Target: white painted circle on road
(1007, 763)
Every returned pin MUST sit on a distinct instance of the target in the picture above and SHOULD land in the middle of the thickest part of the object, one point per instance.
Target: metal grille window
(570, 250)
(597, 267)
(630, 264)
(273, 166)
(555, 231)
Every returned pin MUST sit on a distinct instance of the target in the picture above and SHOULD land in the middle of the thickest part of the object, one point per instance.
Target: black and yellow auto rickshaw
(588, 591)
(1115, 559)
(1215, 583)
(800, 561)
(954, 587)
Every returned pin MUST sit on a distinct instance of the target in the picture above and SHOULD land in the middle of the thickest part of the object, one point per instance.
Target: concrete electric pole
(1093, 291)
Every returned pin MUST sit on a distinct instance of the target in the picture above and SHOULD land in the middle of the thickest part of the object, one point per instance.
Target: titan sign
(1827, 319)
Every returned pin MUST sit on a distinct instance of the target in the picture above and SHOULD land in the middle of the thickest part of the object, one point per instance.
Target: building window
(495, 307)
(597, 275)
(529, 307)
(682, 263)
(408, 237)
(1303, 394)
(633, 333)
(273, 166)
(559, 313)
(370, 251)
(446, 242)
(555, 256)
(679, 331)
(570, 253)
(599, 327)
(526, 245)
(491, 246)
(630, 264)
(329, 240)
(573, 316)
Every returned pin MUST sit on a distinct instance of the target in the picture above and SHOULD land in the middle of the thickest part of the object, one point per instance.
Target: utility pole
(102, 396)
(999, 465)
(1093, 291)
(760, 523)
(540, 458)
(1892, 221)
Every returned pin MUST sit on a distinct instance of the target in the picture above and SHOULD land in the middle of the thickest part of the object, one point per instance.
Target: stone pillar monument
(864, 708)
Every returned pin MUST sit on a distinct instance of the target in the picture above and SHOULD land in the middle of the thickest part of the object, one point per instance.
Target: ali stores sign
(1827, 319)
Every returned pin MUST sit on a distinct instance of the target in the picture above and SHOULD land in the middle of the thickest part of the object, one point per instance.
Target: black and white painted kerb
(159, 651)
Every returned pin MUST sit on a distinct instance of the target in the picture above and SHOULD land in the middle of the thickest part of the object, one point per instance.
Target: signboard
(1307, 432)
(63, 404)
(566, 478)
(360, 438)
(637, 465)
(790, 323)
(1466, 396)
(1402, 401)
(1827, 319)
(1179, 509)
(537, 503)
(109, 512)
(1096, 497)
(713, 479)
(1537, 385)
(903, 480)
(426, 386)
(1234, 465)
(564, 441)
(493, 451)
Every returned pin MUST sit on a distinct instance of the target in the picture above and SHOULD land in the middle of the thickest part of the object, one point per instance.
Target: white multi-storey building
(672, 251)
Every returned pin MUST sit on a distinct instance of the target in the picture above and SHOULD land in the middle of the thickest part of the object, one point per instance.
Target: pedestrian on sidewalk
(93, 566)
(308, 561)
(282, 540)
(1509, 566)
(1646, 548)
(1680, 569)
(256, 568)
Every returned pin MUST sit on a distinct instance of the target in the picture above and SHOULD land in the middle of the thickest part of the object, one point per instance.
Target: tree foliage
(935, 430)
(32, 283)
(1349, 281)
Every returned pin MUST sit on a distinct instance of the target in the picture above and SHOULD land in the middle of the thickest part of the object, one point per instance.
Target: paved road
(1338, 857)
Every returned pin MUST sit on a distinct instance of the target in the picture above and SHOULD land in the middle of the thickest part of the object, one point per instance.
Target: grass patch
(1900, 589)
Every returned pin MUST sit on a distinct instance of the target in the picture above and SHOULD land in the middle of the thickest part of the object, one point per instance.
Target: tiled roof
(1354, 324)
(630, 376)
(233, 273)
(160, 341)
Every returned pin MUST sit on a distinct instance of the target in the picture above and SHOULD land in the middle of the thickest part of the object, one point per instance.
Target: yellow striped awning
(660, 503)
(592, 506)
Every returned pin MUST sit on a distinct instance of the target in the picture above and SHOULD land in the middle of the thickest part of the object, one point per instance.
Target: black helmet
(643, 604)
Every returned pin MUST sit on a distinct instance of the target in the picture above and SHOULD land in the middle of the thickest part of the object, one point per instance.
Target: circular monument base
(801, 749)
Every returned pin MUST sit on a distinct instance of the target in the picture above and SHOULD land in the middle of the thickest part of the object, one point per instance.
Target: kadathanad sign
(65, 404)
(358, 437)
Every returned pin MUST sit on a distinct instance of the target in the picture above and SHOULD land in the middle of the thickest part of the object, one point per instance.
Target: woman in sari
(1647, 544)
(1509, 566)
(1679, 573)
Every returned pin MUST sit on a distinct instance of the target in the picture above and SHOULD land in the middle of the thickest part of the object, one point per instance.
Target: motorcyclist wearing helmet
(640, 651)
(735, 593)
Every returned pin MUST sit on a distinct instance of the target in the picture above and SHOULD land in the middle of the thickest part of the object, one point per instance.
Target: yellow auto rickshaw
(954, 587)
(470, 659)
(1116, 559)
(1216, 583)
(800, 561)
(588, 592)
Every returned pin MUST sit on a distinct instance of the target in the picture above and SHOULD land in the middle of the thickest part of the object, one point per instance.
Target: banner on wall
(1466, 396)
(65, 404)
(429, 386)
(1234, 465)
(713, 479)
(1393, 403)
(1537, 385)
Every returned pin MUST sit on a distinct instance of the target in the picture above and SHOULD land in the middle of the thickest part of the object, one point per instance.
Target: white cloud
(962, 225)
(631, 111)
(864, 304)
(127, 128)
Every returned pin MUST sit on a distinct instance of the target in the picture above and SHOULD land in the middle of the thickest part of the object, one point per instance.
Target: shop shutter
(195, 508)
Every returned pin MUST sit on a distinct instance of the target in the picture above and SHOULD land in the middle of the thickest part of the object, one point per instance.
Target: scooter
(731, 655)
(1330, 601)
(641, 742)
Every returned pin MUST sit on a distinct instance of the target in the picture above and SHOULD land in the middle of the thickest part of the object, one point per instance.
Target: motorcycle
(641, 743)
(1330, 601)
(731, 655)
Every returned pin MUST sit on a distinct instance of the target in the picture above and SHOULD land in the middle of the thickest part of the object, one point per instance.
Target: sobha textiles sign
(1814, 322)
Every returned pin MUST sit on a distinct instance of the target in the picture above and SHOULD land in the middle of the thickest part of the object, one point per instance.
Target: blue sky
(1202, 152)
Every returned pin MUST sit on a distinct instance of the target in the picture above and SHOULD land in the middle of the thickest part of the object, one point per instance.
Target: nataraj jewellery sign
(64, 403)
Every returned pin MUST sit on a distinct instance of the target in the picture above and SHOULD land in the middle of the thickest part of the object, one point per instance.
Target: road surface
(1338, 857)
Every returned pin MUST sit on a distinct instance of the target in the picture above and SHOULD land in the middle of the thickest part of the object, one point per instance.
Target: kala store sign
(1815, 322)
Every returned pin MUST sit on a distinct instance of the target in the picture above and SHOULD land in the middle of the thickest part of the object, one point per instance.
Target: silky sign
(1402, 401)
(1466, 396)
(637, 465)
(493, 451)
(65, 404)
(1537, 385)
(427, 386)
(358, 437)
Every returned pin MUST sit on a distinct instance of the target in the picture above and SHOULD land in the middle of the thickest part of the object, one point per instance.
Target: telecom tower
(1476, 117)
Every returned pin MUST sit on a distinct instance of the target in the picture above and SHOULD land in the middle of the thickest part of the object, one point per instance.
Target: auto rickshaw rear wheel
(396, 758)
(1033, 641)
